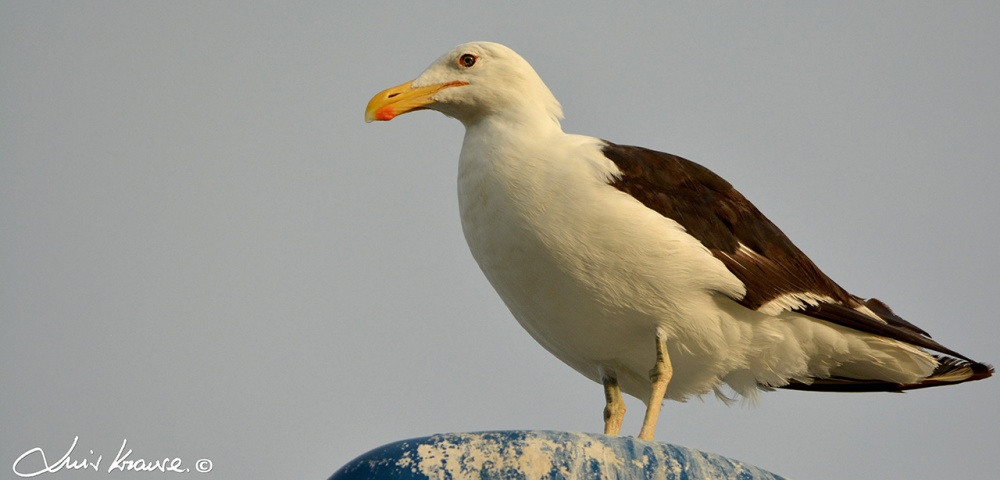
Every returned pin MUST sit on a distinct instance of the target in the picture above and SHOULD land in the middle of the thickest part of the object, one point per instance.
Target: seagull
(644, 271)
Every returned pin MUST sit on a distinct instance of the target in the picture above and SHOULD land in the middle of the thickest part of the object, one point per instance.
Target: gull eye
(467, 60)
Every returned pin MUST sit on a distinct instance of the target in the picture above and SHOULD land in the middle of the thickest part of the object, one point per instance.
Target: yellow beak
(389, 103)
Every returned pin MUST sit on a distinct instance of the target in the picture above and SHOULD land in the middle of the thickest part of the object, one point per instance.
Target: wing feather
(777, 275)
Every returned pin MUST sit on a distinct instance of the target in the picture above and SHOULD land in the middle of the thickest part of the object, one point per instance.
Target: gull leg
(659, 376)
(614, 410)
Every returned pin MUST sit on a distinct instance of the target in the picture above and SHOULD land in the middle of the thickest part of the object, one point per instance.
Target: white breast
(588, 271)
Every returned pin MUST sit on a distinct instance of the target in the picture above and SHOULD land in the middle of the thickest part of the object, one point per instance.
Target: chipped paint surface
(540, 455)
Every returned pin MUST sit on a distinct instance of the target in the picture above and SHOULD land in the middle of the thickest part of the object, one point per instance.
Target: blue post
(534, 455)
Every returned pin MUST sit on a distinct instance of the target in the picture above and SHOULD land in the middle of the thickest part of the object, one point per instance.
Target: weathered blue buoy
(537, 455)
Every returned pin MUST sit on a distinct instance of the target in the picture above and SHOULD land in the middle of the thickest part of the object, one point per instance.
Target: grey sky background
(205, 250)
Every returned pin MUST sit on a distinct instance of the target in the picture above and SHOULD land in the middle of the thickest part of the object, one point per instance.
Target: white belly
(592, 275)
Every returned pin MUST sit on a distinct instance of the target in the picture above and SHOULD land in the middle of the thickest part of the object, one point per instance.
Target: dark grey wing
(712, 211)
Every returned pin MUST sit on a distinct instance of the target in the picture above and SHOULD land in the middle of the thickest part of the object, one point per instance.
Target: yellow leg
(659, 376)
(614, 411)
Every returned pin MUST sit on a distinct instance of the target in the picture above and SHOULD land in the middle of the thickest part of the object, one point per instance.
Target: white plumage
(595, 266)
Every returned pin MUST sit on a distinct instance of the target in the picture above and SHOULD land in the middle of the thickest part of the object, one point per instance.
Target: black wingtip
(950, 371)
(951, 367)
